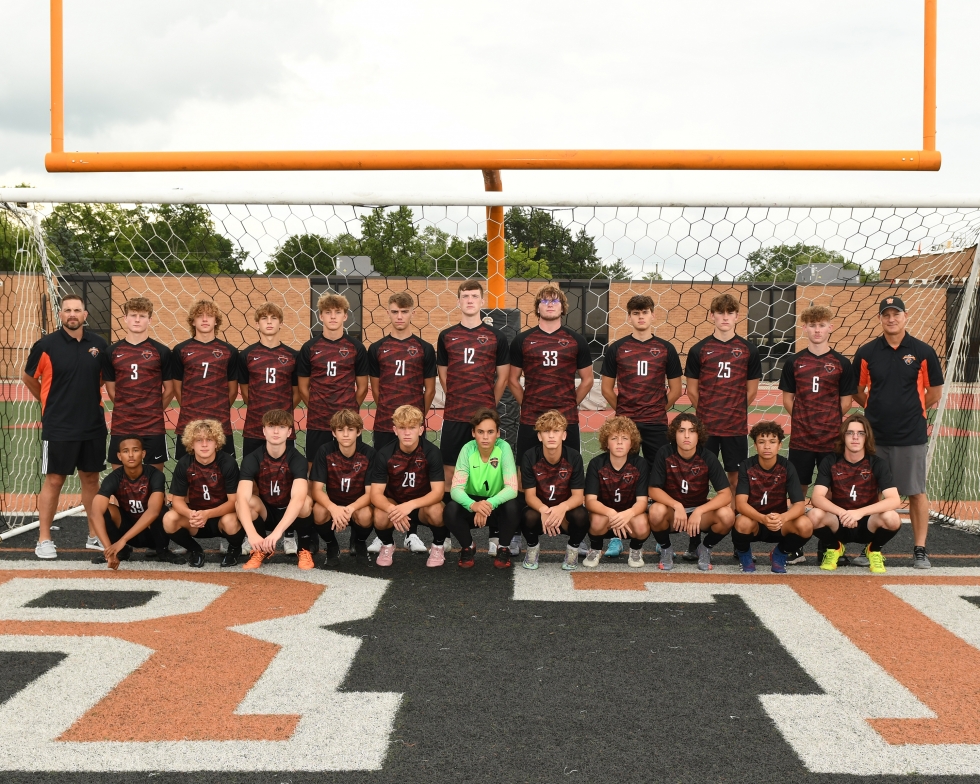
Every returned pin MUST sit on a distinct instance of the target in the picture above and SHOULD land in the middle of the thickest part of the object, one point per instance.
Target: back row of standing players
(641, 378)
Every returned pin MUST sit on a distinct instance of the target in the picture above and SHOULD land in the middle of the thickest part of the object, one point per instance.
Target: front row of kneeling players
(402, 485)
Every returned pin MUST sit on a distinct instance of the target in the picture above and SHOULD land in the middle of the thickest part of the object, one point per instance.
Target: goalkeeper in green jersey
(484, 489)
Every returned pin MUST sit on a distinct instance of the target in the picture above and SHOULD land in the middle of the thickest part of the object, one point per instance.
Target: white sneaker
(583, 549)
(592, 558)
(93, 543)
(289, 546)
(246, 548)
(636, 558)
(375, 546)
(414, 544)
(494, 544)
(176, 549)
(46, 550)
(447, 546)
(515, 545)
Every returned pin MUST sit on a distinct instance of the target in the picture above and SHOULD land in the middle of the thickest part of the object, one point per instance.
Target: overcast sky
(179, 75)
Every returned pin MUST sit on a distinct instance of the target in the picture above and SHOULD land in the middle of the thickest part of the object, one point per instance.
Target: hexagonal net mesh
(775, 261)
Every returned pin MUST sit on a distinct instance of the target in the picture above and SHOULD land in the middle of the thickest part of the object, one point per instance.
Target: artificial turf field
(412, 674)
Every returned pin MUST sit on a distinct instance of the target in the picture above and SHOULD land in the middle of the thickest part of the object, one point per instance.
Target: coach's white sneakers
(93, 543)
(46, 550)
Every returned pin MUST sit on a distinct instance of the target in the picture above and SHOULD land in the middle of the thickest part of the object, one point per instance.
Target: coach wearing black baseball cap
(899, 379)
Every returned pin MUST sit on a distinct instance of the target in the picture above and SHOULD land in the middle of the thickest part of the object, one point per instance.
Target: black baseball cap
(891, 302)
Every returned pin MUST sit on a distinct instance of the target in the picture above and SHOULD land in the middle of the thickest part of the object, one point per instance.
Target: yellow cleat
(831, 557)
(877, 559)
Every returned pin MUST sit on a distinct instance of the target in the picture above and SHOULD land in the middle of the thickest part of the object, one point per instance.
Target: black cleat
(466, 557)
(361, 553)
(230, 558)
(333, 555)
(502, 559)
(166, 556)
(195, 558)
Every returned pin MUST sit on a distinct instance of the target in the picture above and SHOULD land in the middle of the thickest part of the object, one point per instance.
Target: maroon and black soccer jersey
(205, 486)
(641, 369)
(204, 370)
(853, 485)
(620, 489)
(133, 495)
(344, 478)
(138, 371)
(723, 369)
(552, 482)
(768, 490)
(401, 367)
(273, 477)
(818, 383)
(550, 361)
(270, 374)
(471, 357)
(332, 366)
(410, 475)
(687, 481)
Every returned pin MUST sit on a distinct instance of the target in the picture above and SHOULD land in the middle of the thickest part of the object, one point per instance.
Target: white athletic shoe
(415, 545)
(46, 550)
(375, 546)
(93, 543)
(289, 546)
(515, 545)
(592, 558)
(583, 549)
(176, 549)
(636, 558)
(223, 545)
(494, 544)
(447, 546)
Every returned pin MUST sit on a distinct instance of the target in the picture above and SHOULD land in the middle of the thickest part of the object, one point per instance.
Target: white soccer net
(777, 261)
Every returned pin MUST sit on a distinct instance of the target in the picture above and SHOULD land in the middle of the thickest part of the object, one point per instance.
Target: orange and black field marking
(387, 675)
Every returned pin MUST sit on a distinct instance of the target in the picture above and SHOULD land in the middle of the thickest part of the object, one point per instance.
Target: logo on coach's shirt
(94, 352)
(909, 359)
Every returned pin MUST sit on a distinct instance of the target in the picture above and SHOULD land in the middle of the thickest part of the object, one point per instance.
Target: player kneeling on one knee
(765, 481)
(136, 520)
(273, 493)
(202, 491)
(616, 491)
(554, 489)
(408, 482)
(854, 497)
(679, 481)
(340, 488)
(484, 489)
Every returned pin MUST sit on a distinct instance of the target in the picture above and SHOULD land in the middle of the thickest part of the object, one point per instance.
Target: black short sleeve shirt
(70, 372)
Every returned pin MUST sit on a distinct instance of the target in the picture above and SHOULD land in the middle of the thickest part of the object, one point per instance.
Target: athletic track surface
(360, 674)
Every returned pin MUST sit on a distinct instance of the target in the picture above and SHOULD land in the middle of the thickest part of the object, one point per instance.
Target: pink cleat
(385, 555)
(437, 555)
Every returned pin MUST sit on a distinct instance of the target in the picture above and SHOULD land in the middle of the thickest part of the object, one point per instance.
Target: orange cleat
(258, 558)
(305, 559)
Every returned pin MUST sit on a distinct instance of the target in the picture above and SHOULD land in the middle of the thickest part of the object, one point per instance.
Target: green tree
(162, 238)
(15, 243)
(616, 271)
(567, 256)
(308, 254)
(654, 276)
(393, 242)
(521, 263)
(778, 264)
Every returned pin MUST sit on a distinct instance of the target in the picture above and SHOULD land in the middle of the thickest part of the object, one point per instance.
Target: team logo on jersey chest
(357, 466)
(283, 360)
(829, 368)
(344, 352)
(147, 354)
(494, 462)
(865, 474)
(419, 462)
(695, 469)
(908, 359)
(655, 352)
(563, 342)
(736, 352)
(482, 340)
(412, 351)
(217, 353)
(563, 473)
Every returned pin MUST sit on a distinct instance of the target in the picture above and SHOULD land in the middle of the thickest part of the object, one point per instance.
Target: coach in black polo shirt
(899, 379)
(64, 372)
